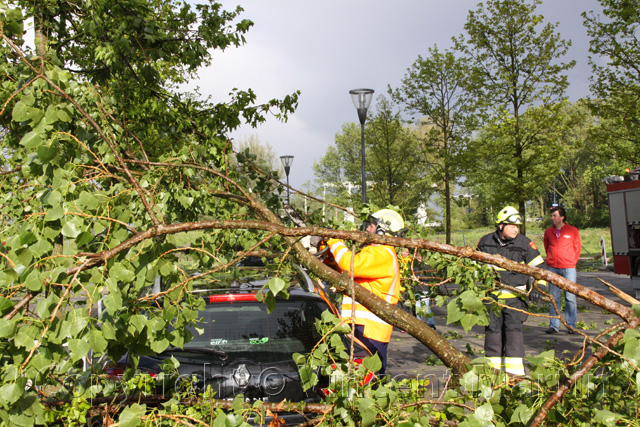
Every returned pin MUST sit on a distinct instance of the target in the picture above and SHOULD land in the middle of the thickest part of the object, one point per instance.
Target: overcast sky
(325, 48)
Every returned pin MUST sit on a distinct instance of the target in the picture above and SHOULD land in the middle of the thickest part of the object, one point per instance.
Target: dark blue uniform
(504, 342)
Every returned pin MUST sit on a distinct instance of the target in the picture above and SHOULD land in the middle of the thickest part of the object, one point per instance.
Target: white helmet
(387, 222)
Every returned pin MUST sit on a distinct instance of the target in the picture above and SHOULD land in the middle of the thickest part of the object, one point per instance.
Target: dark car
(243, 349)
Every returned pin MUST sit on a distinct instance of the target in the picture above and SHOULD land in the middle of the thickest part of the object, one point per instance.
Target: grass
(590, 238)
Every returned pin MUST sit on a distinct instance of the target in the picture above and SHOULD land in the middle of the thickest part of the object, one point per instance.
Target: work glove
(534, 294)
(315, 241)
(320, 244)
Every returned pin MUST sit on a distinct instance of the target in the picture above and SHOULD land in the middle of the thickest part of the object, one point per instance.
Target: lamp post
(286, 163)
(361, 100)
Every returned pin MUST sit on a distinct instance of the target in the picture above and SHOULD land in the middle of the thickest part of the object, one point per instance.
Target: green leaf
(88, 200)
(24, 256)
(238, 403)
(108, 331)
(32, 140)
(471, 301)
(138, 321)
(72, 227)
(20, 112)
(276, 284)
(45, 306)
(26, 336)
(5, 305)
(484, 414)
(270, 300)
(120, 273)
(132, 415)
(78, 348)
(522, 414)
(160, 345)
(51, 197)
(113, 302)
(14, 25)
(607, 418)
(372, 363)
(454, 313)
(46, 154)
(64, 115)
(7, 328)
(33, 282)
(10, 393)
(367, 410)
(54, 214)
(470, 381)
(27, 238)
(78, 321)
(96, 341)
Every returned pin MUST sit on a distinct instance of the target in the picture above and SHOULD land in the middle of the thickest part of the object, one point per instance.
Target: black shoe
(571, 331)
(432, 326)
(551, 331)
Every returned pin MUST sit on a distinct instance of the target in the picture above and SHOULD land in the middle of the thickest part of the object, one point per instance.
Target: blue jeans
(423, 302)
(571, 311)
(374, 347)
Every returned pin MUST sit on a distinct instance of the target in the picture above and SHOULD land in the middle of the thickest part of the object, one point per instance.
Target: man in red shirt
(562, 244)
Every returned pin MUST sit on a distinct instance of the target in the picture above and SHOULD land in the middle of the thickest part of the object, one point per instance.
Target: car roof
(252, 274)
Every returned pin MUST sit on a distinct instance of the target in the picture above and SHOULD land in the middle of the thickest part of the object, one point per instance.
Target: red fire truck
(624, 217)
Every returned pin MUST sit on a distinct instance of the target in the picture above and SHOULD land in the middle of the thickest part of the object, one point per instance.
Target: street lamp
(286, 163)
(361, 100)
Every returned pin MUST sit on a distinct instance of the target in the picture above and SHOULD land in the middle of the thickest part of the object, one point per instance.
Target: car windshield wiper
(221, 354)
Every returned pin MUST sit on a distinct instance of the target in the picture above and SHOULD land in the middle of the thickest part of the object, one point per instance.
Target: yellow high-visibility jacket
(376, 269)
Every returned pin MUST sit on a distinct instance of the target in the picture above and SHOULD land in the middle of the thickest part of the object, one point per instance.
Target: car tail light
(114, 373)
(232, 297)
(117, 371)
(324, 392)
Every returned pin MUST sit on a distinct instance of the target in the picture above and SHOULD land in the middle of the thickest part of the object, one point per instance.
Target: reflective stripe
(335, 245)
(340, 254)
(495, 362)
(338, 250)
(504, 293)
(363, 314)
(514, 365)
(346, 300)
(536, 261)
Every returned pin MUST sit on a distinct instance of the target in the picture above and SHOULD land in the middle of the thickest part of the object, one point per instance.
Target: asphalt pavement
(409, 358)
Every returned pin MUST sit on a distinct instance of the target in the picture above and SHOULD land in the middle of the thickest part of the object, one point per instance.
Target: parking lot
(410, 358)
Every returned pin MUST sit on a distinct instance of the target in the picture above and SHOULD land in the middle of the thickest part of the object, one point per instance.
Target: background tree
(516, 66)
(579, 186)
(616, 79)
(339, 170)
(262, 153)
(501, 165)
(434, 93)
(392, 160)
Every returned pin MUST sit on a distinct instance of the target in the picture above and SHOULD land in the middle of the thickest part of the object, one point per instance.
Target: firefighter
(376, 269)
(504, 341)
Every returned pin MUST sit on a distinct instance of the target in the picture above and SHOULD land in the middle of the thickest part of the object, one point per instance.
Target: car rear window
(245, 326)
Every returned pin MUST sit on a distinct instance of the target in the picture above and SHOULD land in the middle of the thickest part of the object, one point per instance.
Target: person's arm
(577, 246)
(534, 259)
(367, 263)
